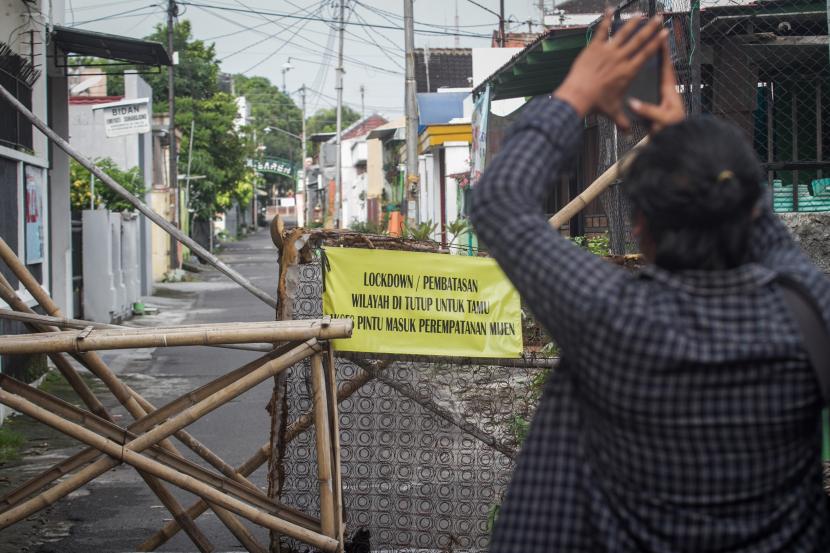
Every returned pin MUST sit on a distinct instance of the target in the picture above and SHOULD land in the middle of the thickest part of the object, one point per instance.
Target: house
(353, 165)
(35, 213)
(384, 170)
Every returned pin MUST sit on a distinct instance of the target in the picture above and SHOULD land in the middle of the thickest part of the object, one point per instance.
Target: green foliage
(272, 109)
(421, 231)
(368, 227)
(10, 443)
(492, 515)
(79, 191)
(219, 153)
(599, 244)
(458, 228)
(519, 427)
(325, 120)
(196, 76)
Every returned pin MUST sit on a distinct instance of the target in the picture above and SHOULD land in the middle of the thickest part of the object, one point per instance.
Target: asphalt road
(116, 512)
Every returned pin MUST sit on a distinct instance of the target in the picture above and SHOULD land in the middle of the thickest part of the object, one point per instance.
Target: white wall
(487, 61)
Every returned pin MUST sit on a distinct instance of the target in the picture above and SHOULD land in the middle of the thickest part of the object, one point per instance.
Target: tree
(325, 120)
(219, 154)
(196, 75)
(80, 191)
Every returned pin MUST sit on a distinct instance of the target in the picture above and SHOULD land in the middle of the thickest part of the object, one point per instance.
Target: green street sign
(273, 165)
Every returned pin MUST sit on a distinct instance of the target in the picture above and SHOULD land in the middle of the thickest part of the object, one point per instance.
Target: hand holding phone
(645, 86)
(602, 73)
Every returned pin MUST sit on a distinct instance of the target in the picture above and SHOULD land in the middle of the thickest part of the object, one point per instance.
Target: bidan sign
(125, 117)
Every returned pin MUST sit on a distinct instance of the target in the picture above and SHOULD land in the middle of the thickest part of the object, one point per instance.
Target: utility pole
(362, 103)
(501, 24)
(309, 209)
(172, 12)
(457, 41)
(338, 204)
(411, 112)
(541, 7)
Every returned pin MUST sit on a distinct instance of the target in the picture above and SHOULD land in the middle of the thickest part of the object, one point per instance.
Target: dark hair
(696, 185)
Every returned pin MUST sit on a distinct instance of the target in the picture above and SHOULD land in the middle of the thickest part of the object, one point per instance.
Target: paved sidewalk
(116, 512)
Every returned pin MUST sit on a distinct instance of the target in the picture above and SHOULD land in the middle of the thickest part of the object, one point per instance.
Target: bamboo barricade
(92, 339)
(588, 195)
(181, 473)
(139, 205)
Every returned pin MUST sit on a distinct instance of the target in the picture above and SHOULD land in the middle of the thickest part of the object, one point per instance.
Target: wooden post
(130, 456)
(334, 427)
(323, 443)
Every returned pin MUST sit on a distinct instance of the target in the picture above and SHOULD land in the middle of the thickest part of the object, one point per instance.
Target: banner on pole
(422, 303)
(126, 117)
(273, 165)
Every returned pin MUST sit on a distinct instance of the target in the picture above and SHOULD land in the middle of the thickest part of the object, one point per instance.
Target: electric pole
(542, 14)
(302, 158)
(362, 104)
(411, 112)
(172, 12)
(501, 24)
(338, 204)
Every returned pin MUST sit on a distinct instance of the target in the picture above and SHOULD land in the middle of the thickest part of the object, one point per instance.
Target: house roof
(438, 135)
(448, 68)
(112, 47)
(93, 100)
(360, 127)
(540, 67)
(389, 130)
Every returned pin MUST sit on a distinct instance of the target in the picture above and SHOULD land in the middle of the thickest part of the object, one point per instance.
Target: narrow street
(116, 512)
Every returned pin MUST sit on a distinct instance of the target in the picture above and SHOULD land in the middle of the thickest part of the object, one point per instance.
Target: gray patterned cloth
(688, 417)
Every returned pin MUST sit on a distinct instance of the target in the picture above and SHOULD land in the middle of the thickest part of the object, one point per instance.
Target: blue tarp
(436, 108)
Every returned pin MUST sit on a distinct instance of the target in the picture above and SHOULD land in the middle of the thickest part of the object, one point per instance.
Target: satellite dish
(85, 85)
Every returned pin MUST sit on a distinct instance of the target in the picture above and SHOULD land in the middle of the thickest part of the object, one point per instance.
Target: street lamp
(286, 67)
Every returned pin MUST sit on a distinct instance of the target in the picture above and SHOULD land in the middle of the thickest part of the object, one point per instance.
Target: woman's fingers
(648, 49)
(652, 112)
(644, 35)
(601, 32)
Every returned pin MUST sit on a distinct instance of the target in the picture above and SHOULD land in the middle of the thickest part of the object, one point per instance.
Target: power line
(387, 15)
(321, 20)
(485, 8)
(119, 15)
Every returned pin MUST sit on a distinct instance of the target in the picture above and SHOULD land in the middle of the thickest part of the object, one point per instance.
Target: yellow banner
(422, 303)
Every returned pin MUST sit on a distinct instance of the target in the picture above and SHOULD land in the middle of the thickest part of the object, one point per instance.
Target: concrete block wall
(111, 266)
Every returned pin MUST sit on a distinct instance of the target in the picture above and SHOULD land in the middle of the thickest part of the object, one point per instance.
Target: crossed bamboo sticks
(227, 495)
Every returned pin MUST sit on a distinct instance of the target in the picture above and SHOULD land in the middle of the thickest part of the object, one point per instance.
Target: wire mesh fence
(760, 64)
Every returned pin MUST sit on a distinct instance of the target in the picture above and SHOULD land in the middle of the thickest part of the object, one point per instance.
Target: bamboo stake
(130, 456)
(334, 426)
(259, 458)
(594, 189)
(323, 443)
(125, 338)
(139, 205)
(165, 496)
(238, 530)
(159, 433)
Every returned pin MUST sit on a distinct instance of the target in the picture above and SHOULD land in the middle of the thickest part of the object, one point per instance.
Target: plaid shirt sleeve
(560, 281)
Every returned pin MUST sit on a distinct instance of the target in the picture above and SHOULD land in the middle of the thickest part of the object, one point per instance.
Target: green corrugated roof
(539, 68)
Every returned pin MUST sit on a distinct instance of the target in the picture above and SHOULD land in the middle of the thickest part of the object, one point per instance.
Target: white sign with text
(126, 117)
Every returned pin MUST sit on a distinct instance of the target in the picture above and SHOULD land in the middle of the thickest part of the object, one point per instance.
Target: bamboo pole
(79, 324)
(139, 205)
(259, 458)
(588, 195)
(165, 496)
(239, 531)
(323, 444)
(132, 457)
(334, 433)
(159, 433)
(125, 338)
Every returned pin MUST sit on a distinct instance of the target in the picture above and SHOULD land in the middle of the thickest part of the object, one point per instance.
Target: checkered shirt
(687, 417)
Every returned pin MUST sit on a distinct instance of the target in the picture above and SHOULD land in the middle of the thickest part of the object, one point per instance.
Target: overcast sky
(261, 43)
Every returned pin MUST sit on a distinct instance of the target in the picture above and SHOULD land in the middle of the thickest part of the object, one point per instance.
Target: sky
(257, 38)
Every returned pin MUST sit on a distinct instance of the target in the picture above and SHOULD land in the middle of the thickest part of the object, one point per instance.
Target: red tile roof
(90, 100)
(365, 126)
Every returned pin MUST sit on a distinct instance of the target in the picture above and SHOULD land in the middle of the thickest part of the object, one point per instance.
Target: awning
(111, 47)
(438, 135)
(436, 108)
(394, 130)
(539, 68)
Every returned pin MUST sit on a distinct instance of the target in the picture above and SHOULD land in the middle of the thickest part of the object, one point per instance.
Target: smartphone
(646, 84)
